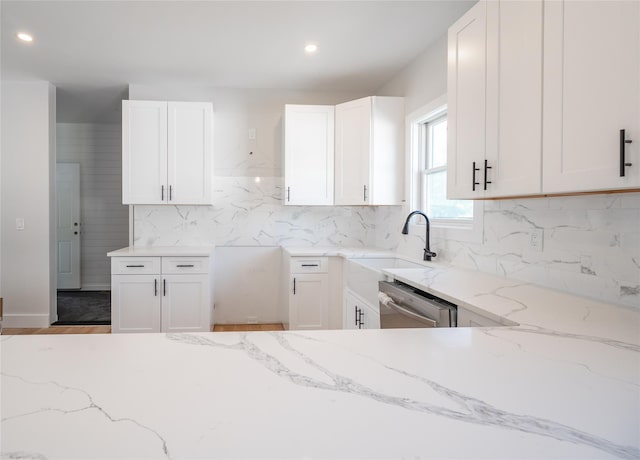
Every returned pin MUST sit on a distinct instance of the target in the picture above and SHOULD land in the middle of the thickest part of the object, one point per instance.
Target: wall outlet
(252, 134)
(536, 239)
(252, 320)
(19, 223)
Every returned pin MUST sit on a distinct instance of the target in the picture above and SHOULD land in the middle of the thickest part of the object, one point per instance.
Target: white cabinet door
(185, 303)
(308, 154)
(514, 99)
(358, 314)
(592, 91)
(190, 153)
(308, 301)
(135, 303)
(144, 152)
(352, 148)
(370, 151)
(351, 313)
(466, 109)
(370, 317)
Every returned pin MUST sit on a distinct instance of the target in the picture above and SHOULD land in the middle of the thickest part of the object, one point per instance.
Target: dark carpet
(83, 308)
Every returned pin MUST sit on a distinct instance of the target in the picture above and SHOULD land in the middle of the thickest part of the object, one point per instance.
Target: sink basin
(386, 262)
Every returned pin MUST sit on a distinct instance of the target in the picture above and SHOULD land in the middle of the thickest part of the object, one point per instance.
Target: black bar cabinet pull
(294, 286)
(486, 166)
(473, 177)
(162, 193)
(356, 311)
(623, 143)
(184, 266)
(170, 192)
(135, 266)
(164, 287)
(155, 287)
(288, 194)
(309, 265)
(364, 187)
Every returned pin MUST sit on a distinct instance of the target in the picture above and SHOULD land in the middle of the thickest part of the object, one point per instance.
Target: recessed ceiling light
(311, 48)
(24, 37)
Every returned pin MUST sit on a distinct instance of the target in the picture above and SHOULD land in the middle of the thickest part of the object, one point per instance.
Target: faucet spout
(428, 254)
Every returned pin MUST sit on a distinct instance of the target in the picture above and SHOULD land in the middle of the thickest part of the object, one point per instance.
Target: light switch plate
(19, 223)
(252, 134)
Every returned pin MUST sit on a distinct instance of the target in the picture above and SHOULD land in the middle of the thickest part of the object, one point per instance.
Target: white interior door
(68, 225)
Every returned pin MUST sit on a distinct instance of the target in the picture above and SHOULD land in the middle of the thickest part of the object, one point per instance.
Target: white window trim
(471, 231)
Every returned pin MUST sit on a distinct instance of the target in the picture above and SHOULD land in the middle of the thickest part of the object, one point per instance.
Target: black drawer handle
(310, 265)
(185, 266)
(486, 167)
(135, 266)
(473, 177)
(623, 144)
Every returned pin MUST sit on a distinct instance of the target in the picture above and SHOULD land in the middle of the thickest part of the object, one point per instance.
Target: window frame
(467, 230)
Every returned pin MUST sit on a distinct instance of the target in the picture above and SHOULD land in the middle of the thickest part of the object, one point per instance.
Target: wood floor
(107, 329)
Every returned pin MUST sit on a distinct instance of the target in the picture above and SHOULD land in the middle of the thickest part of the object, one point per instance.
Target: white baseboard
(25, 320)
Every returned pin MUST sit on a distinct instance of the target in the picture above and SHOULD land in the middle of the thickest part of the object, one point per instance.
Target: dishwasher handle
(388, 302)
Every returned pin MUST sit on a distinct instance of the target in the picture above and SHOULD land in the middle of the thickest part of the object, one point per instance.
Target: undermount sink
(386, 262)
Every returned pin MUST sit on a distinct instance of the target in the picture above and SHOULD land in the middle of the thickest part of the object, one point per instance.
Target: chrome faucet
(405, 231)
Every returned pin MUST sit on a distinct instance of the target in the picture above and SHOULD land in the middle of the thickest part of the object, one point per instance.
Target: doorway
(91, 219)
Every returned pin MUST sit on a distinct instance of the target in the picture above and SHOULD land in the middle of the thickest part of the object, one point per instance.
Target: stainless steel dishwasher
(404, 306)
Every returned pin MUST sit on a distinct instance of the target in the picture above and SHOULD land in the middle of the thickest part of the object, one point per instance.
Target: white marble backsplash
(591, 244)
(250, 212)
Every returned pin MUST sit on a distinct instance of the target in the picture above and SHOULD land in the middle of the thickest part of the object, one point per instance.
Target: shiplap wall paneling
(105, 220)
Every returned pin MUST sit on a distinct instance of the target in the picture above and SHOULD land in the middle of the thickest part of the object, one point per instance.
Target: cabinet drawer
(135, 265)
(177, 265)
(309, 264)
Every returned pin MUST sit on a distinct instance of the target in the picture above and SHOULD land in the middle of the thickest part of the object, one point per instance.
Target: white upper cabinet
(495, 101)
(592, 91)
(167, 152)
(308, 154)
(369, 166)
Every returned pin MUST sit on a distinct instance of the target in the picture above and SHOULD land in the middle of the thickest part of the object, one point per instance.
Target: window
(433, 200)
(461, 220)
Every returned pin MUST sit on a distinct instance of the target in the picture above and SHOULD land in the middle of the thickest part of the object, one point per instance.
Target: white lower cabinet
(173, 299)
(358, 314)
(307, 302)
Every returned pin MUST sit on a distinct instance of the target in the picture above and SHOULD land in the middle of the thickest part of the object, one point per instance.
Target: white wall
(591, 243)
(28, 178)
(105, 220)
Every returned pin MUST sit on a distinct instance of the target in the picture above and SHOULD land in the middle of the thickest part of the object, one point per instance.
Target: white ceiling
(82, 46)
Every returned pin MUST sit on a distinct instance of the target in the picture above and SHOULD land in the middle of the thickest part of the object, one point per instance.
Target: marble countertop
(159, 251)
(441, 393)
